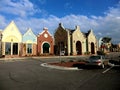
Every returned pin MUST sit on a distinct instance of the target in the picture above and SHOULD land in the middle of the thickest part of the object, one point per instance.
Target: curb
(59, 67)
(110, 64)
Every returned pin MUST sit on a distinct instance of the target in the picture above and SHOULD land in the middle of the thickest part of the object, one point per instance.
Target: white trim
(45, 31)
(27, 48)
(42, 47)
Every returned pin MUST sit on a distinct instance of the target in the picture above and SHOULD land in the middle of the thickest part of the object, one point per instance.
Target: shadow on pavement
(88, 67)
(116, 68)
(116, 62)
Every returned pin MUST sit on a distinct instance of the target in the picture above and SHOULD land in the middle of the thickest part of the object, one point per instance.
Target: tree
(106, 43)
(106, 39)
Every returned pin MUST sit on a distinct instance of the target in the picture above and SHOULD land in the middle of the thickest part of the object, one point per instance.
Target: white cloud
(2, 22)
(17, 7)
(114, 12)
(108, 25)
(99, 33)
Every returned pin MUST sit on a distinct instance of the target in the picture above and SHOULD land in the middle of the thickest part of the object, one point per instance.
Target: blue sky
(61, 8)
(103, 16)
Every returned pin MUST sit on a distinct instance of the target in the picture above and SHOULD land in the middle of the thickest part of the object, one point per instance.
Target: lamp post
(1, 44)
(60, 52)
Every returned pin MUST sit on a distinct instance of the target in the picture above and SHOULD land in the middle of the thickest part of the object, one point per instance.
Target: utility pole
(60, 52)
(0, 43)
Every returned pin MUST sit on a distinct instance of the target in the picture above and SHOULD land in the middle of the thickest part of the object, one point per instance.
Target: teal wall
(29, 36)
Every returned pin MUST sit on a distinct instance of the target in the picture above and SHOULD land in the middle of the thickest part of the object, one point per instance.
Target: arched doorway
(15, 48)
(46, 47)
(92, 48)
(79, 48)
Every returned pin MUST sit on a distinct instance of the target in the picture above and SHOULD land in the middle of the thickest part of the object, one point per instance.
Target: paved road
(27, 74)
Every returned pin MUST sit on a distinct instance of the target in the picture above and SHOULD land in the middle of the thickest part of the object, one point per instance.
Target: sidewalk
(37, 57)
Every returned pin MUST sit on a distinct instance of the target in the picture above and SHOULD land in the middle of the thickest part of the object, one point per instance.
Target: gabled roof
(44, 30)
(29, 31)
(12, 31)
(70, 31)
(61, 25)
(29, 36)
(12, 23)
(88, 33)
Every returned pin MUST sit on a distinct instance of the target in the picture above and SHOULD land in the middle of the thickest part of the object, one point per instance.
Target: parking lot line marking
(107, 69)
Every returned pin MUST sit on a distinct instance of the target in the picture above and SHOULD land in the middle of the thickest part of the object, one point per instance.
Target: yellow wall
(78, 36)
(11, 33)
(92, 38)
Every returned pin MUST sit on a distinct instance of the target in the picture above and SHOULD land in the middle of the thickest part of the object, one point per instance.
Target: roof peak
(61, 25)
(77, 27)
(45, 28)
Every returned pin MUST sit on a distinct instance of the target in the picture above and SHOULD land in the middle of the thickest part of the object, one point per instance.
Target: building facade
(74, 42)
(11, 41)
(29, 44)
(45, 43)
(67, 41)
(14, 44)
(91, 43)
(61, 40)
(78, 41)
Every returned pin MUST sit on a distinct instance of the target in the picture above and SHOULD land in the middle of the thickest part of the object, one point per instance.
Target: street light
(60, 52)
(1, 44)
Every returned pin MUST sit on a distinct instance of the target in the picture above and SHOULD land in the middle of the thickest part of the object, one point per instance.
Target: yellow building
(78, 41)
(92, 44)
(11, 40)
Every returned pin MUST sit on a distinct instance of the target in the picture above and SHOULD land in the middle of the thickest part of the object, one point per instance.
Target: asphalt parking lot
(28, 74)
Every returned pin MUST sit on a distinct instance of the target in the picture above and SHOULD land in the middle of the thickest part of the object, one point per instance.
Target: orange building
(45, 43)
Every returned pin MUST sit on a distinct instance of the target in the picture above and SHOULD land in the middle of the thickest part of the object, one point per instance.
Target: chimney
(45, 28)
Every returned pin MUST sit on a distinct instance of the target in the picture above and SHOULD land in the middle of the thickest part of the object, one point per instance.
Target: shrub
(100, 53)
(62, 61)
(71, 61)
(81, 60)
(87, 53)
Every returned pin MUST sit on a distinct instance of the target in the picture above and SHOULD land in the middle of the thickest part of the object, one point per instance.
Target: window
(8, 48)
(29, 48)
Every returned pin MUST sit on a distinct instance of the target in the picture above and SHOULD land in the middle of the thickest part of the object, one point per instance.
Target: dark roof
(86, 34)
(70, 30)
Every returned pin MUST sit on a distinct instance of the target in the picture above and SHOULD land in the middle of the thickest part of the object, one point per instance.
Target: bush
(100, 53)
(87, 53)
(62, 61)
(81, 60)
(71, 61)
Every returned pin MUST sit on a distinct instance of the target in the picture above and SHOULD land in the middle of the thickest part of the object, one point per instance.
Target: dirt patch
(68, 64)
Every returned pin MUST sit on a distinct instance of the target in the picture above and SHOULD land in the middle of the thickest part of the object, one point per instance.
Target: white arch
(42, 46)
